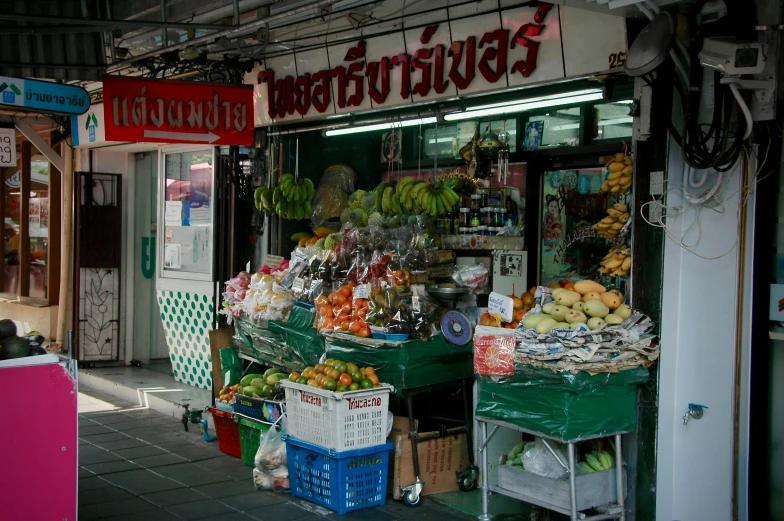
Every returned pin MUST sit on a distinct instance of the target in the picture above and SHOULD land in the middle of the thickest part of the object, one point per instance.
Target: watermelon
(13, 347)
(7, 328)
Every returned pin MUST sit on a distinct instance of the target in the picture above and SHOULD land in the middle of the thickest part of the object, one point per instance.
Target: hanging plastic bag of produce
(331, 197)
(271, 472)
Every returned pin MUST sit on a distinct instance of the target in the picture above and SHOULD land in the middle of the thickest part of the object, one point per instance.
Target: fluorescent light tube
(523, 106)
(380, 126)
(616, 121)
(538, 98)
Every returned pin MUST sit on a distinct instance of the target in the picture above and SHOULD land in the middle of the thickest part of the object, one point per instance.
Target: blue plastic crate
(340, 481)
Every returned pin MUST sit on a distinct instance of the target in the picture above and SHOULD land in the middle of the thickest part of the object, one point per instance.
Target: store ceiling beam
(234, 31)
(108, 23)
(29, 132)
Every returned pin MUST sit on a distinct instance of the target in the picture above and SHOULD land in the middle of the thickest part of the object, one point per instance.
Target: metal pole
(485, 481)
(63, 20)
(211, 37)
(164, 38)
(619, 476)
(70, 344)
(237, 13)
(111, 33)
(572, 483)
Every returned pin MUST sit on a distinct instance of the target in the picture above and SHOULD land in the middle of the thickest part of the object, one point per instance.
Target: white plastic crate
(337, 421)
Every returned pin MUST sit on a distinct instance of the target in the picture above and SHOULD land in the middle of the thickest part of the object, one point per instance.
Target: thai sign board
(436, 59)
(43, 96)
(158, 111)
(88, 129)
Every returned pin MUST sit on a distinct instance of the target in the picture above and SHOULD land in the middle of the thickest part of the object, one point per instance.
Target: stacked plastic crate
(336, 448)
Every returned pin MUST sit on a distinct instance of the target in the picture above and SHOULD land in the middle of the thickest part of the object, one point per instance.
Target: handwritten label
(273, 261)
(7, 147)
(298, 285)
(501, 305)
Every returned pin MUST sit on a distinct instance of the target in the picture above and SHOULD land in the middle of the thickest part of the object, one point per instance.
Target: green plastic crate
(250, 439)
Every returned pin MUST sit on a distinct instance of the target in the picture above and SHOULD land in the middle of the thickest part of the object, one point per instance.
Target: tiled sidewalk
(137, 464)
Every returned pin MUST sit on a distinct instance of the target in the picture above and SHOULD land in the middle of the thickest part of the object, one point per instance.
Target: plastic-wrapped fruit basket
(337, 421)
(340, 481)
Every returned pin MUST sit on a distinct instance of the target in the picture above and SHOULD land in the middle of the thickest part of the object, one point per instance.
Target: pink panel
(39, 440)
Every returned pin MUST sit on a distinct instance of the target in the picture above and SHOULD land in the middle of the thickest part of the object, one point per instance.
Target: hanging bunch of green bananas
(262, 197)
(291, 198)
(421, 197)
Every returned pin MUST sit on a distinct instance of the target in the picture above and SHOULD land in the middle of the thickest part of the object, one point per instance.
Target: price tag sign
(362, 291)
(7, 147)
(415, 302)
(273, 261)
(298, 285)
(498, 304)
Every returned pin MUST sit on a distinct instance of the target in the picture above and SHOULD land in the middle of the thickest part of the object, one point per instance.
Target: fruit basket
(228, 433)
(337, 421)
(250, 439)
(340, 481)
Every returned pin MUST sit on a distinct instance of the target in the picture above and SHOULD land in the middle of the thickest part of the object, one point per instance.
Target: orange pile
(339, 311)
(336, 375)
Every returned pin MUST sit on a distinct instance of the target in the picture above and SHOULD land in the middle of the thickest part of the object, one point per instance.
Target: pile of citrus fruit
(336, 375)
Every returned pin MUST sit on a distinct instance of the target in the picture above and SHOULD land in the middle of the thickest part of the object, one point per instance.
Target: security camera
(733, 57)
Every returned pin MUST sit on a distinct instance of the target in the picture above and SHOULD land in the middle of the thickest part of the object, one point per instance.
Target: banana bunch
(617, 262)
(430, 198)
(597, 462)
(619, 179)
(611, 226)
(390, 203)
(262, 197)
(291, 198)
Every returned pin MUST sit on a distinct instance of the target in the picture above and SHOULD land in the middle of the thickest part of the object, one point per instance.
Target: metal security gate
(97, 265)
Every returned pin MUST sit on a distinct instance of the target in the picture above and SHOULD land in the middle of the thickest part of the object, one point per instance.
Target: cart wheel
(407, 499)
(467, 483)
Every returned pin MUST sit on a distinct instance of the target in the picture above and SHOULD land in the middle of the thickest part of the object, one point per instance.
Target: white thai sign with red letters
(434, 57)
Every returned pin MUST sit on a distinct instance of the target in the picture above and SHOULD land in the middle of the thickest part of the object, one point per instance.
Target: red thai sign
(142, 110)
(428, 68)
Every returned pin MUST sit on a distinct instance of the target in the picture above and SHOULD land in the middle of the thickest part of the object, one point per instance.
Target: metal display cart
(604, 490)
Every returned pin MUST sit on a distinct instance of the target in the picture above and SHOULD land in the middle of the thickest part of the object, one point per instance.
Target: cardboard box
(439, 461)
(400, 427)
(219, 339)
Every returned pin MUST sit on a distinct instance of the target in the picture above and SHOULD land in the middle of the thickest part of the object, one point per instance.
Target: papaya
(248, 378)
(323, 231)
(249, 390)
(259, 382)
(269, 372)
(275, 378)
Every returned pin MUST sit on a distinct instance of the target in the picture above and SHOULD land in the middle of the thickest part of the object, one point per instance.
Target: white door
(699, 305)
(149, 339)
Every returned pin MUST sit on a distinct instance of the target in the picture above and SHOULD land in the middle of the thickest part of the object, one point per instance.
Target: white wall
(695, 462)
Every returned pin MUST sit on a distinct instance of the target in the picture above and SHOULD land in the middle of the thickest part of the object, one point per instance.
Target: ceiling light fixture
(379, 126)
(529, 104)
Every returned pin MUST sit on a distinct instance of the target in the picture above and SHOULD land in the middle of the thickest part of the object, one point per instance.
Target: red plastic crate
(228, 433)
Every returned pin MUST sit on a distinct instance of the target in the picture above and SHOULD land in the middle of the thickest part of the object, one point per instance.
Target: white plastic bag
(538, 459)
(271, 472)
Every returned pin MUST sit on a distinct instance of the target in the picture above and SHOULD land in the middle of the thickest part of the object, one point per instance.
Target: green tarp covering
(290, 345)
(409, 365)
(566, 406)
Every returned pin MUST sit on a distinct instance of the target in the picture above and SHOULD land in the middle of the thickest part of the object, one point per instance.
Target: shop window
(187, 211)
(27, 270)
(559, 127)
(612, 120)
(445, 141)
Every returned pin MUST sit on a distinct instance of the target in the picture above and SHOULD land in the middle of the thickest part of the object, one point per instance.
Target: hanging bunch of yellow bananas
(617, 262)
(611, 226)
(619, 179)
(292, 197)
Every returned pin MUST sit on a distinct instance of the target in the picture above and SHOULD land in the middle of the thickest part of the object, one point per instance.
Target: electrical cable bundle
(719, 147)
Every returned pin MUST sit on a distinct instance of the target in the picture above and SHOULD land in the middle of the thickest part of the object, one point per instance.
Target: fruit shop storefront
(384, 144)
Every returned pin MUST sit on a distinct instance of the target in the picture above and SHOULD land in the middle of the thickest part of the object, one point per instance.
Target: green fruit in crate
(271, 371)
(587, 468)
(267, 391)
(356, 376)
(366, 383)
(302, 380)
(511, 456)
(342, 388)
(248, 378)
(594, 462)
(275, 378)
(354, 386)
(249, 390)
(519, 448)
(509, 462)
(259, 382)
(330, 384)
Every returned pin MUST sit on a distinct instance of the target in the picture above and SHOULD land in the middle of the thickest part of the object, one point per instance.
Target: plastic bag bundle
(331, 196)
(474, 276)
(271, 472)
(538, 459)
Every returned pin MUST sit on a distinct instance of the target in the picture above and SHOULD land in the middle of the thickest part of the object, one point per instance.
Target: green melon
(13, 347)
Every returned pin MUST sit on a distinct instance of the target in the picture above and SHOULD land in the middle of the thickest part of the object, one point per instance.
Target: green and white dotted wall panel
(187, 320)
